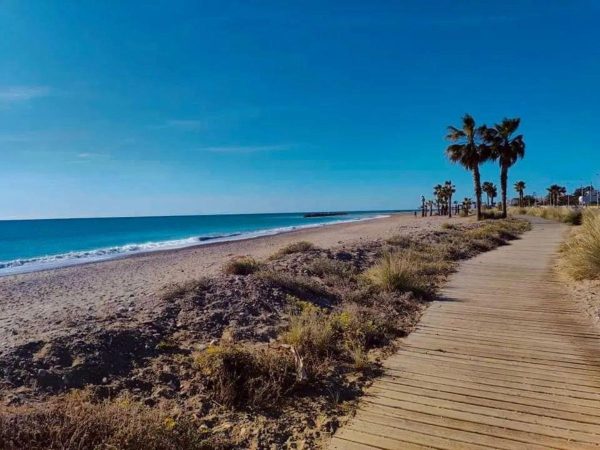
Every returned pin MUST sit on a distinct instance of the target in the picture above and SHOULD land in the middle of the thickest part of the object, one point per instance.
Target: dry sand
(39, 305)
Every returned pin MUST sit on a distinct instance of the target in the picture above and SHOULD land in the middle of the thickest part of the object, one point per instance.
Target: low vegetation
(559, 213)
(243, 265)
(398, 271)
(76, 422)
(342, 309)
(581, 252)
(294, 247)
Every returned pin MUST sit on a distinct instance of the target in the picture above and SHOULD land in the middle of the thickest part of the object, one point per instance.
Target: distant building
(590, 196)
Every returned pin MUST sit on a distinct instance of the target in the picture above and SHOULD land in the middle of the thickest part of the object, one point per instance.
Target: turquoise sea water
(28, 245)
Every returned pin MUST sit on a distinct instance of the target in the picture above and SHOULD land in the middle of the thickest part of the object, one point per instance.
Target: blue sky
(148, 108)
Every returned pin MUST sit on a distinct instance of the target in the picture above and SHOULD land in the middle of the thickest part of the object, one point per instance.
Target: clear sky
(157, 108)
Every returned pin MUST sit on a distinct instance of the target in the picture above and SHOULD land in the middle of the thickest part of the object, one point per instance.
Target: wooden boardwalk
(505, 361)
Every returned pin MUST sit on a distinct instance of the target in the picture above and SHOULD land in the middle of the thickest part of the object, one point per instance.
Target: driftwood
(300, 370)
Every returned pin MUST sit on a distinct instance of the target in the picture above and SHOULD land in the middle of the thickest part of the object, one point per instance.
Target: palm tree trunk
(450, 205)
(503, 183)
(477, 183)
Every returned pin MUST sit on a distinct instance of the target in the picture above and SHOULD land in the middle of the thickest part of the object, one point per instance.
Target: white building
(590, 196)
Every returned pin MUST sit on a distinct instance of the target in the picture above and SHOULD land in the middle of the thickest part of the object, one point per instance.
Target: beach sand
(40, 305)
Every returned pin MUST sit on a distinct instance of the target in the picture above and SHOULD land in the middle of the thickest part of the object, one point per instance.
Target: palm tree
(505, 149)
(494, 193)
(555, 192)
(489, 188)
(520, 188)
(466, 204)
(449, 190)
(438, 192)
(469, 151)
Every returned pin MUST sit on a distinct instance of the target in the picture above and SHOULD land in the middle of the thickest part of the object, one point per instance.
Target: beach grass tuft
(397, 271)
(581, 252)
(294, 247)
(572, 216)
(245, 376)
(76, 421)
(242, 265)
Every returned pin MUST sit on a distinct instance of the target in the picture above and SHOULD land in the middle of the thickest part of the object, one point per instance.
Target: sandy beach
(37, 306)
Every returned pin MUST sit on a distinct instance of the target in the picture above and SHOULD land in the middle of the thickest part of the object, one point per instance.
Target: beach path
(505, 360)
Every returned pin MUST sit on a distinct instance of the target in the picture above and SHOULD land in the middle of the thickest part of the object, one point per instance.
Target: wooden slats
(505, 361)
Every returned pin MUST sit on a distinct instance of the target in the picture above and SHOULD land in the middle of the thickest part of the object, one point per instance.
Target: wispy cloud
(16, 94)
(185, 124)
(246, 148)
(91, 155)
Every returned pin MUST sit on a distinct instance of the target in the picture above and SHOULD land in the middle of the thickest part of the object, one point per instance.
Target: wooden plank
(504, 361)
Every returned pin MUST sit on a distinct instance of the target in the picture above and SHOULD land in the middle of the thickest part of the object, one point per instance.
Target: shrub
(314, 334)
(76, 422)
(243, 376)
(299, 286)
(324, 267)
(581, 252)
(450, 226)
(294, 247)
(243, 265)
(398, 271)
(175, 291)
(563, 214)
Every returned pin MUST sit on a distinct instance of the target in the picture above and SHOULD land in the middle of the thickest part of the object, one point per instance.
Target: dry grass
(242, 265)
(244, 376)
(302, 287)
(581, 252)
(559, 213)
(327, 267)
(294, 247)
(175, 291)
(398, 271)
(75, 422)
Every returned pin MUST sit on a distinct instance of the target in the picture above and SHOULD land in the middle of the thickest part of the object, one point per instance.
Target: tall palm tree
(469, 151)
(506, 149)
(466, 204)
(488, 187)
(449, 190)
(493, 193)
(555, 192)
(520, 188)
(438, 192)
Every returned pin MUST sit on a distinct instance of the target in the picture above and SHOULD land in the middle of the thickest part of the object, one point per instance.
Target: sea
(32, 245)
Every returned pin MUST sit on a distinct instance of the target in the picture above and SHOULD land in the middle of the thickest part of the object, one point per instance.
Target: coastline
(39, 305)
(76, 257)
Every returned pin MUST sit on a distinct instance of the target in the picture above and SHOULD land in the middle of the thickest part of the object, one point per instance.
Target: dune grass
(397, 271)
(581, 252)
(76, 422)
(246, 376)
(294, 247)
(559, 213)
(317, 348)
(242, 265)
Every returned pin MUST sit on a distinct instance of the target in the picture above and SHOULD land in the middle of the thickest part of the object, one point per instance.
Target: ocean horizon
(38, 244)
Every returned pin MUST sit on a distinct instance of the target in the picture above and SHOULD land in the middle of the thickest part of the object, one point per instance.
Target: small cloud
(15, 94)
(245, 148)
